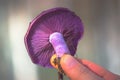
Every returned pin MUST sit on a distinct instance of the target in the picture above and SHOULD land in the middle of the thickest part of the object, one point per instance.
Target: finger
(75, 70)
(99, 70)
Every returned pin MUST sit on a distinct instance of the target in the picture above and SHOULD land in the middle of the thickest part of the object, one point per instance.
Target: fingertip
(70, 66)
(68, 62)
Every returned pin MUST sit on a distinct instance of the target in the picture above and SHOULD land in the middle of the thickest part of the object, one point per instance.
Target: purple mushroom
(54, 31)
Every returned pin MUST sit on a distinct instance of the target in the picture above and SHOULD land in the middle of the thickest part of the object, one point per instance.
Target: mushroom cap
(53, 20)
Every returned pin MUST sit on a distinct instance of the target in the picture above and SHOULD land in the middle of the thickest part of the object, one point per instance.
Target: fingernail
(69, 61)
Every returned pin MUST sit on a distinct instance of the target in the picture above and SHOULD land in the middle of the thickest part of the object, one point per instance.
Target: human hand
(77, 69)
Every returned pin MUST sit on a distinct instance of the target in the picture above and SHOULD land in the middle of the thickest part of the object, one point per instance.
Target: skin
(78, 69)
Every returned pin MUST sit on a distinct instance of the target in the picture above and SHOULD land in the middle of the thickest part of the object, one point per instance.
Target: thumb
(76, 71)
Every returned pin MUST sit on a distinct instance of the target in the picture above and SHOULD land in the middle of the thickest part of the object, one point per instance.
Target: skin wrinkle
(89, 65)
(86, 71)
(102, 72)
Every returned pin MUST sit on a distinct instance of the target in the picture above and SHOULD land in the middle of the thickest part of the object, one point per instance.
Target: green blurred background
(100, 43)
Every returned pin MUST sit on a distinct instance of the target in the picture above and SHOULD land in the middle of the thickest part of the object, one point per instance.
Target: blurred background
(100, 43)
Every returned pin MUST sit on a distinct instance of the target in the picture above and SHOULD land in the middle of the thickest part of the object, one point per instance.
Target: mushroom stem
(58, 43)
